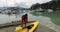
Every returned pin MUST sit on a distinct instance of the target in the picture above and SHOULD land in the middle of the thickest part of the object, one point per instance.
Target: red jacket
(23, 18)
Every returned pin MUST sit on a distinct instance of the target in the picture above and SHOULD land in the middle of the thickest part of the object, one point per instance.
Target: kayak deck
(29, 28)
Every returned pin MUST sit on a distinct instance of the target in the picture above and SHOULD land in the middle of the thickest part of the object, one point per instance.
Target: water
(4, 18)
(7, 18)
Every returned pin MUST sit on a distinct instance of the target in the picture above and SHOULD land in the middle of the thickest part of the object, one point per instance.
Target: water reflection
(37, 13)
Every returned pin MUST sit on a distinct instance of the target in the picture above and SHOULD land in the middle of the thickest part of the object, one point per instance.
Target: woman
(24, 20)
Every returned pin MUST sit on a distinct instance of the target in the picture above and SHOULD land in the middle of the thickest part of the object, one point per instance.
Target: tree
(35, 6)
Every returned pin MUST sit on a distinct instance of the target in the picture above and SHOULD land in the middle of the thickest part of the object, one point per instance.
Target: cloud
(22, 4)
(6, 3)
(26, 2)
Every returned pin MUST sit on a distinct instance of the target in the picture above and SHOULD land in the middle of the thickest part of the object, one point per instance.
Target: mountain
(19, 5)
(22, 5)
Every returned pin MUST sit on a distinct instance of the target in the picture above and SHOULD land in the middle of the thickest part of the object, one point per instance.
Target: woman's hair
(25, 14)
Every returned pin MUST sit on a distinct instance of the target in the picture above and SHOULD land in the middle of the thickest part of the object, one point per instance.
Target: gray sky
(11, 3)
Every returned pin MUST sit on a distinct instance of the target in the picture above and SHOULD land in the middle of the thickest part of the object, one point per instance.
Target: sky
(23, 3)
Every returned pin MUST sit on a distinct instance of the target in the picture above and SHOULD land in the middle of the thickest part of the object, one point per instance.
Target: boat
(29, 28)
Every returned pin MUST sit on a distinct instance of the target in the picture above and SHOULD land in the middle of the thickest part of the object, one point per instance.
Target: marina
(29, 16)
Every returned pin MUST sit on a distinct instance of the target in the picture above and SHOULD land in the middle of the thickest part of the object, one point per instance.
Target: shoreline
(40, 28)
(13, 23)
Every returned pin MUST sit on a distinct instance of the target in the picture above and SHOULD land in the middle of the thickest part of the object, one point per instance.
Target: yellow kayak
(29, 28)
